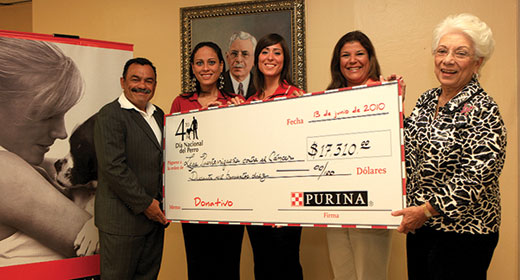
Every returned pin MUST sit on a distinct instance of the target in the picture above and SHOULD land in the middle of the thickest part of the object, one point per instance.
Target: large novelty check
(330, 158)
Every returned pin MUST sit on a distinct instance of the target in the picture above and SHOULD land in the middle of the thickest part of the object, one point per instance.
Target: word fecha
(294, 121)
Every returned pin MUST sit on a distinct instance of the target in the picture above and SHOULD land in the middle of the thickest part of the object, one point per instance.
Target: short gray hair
(37, 77)
(477, 30)
(242, 35)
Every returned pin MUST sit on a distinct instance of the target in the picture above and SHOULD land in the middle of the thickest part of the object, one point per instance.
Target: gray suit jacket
(129, 170)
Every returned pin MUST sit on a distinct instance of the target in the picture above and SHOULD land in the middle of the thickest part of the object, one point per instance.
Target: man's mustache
(143, 90)
(239, 65)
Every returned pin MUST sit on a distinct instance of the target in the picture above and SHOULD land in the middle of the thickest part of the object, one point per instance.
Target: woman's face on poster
(30, 138)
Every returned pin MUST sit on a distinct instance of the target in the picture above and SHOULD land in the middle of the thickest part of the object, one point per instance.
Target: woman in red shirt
(272, 73)
(358, 253)
(206, 68)
(210, 249)
(276, 250)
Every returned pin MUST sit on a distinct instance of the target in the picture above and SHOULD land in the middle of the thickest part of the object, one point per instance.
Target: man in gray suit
(128, 137)
(240, 58)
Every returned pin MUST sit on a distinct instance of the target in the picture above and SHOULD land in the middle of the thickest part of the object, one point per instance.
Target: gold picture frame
(217, 22)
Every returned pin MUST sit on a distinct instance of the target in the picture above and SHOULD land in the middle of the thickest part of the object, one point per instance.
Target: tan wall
(16, 17)
(401, 31)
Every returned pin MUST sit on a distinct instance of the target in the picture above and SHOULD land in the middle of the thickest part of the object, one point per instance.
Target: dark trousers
(276, 252)
(131, 257)
(438, 255)
(213, 251)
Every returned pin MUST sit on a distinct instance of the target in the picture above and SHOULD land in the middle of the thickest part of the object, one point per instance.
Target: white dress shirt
(147, 115)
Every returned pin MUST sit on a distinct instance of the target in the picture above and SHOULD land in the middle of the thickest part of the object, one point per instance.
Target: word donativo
(218, 203)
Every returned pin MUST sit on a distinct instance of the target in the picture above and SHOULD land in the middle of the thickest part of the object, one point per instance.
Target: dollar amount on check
(332, 158)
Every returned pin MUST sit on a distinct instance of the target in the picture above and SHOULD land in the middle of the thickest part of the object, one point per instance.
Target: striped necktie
(240, 89)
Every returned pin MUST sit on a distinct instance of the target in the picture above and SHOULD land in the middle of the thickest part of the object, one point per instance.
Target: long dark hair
(285, 75)
(337, 79)
(218, 51)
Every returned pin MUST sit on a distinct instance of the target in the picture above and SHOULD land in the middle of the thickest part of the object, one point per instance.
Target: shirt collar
(126, 104)
(194, 97)
(245, 82)
(460, 98)
(282, 90)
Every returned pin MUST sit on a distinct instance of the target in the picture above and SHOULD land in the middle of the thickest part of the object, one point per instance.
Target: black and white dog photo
(77, 171)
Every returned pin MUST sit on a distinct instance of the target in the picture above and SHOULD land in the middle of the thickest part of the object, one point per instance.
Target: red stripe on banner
(320, 225)
(71, 41)
(404, 186)
(72, 268)
(374, 84)
(269, 224)
(348, 226)
(319, 92)
(402, 153)
(185, 222)
(245, 224)
(379, 227)
(223, 223)
(401, 125)
(203, 222)
(294, 225)
(345, 88)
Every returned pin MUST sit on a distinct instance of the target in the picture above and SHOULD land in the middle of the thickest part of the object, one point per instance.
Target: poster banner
(50, 90)
(333, 158)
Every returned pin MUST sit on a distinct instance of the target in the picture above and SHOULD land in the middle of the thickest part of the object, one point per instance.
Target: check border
(328, 224)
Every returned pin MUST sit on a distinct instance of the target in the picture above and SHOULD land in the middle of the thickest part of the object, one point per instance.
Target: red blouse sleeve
(176, 105)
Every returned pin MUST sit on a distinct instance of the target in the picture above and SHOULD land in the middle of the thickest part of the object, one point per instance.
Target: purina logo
(296, 199)
(354, 198)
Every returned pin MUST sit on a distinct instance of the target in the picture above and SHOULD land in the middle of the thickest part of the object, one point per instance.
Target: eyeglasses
(235, 54)
(458, 53)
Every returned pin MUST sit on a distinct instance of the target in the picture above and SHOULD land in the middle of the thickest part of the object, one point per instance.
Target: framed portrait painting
(218, 23)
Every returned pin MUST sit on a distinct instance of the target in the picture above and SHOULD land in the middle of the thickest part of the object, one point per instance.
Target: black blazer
(129, 169)
(228, 85)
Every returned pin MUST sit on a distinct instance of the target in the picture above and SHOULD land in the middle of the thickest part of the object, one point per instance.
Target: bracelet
(427, 212)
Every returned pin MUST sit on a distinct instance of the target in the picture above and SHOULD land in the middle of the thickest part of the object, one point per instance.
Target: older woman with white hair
(455, 143)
